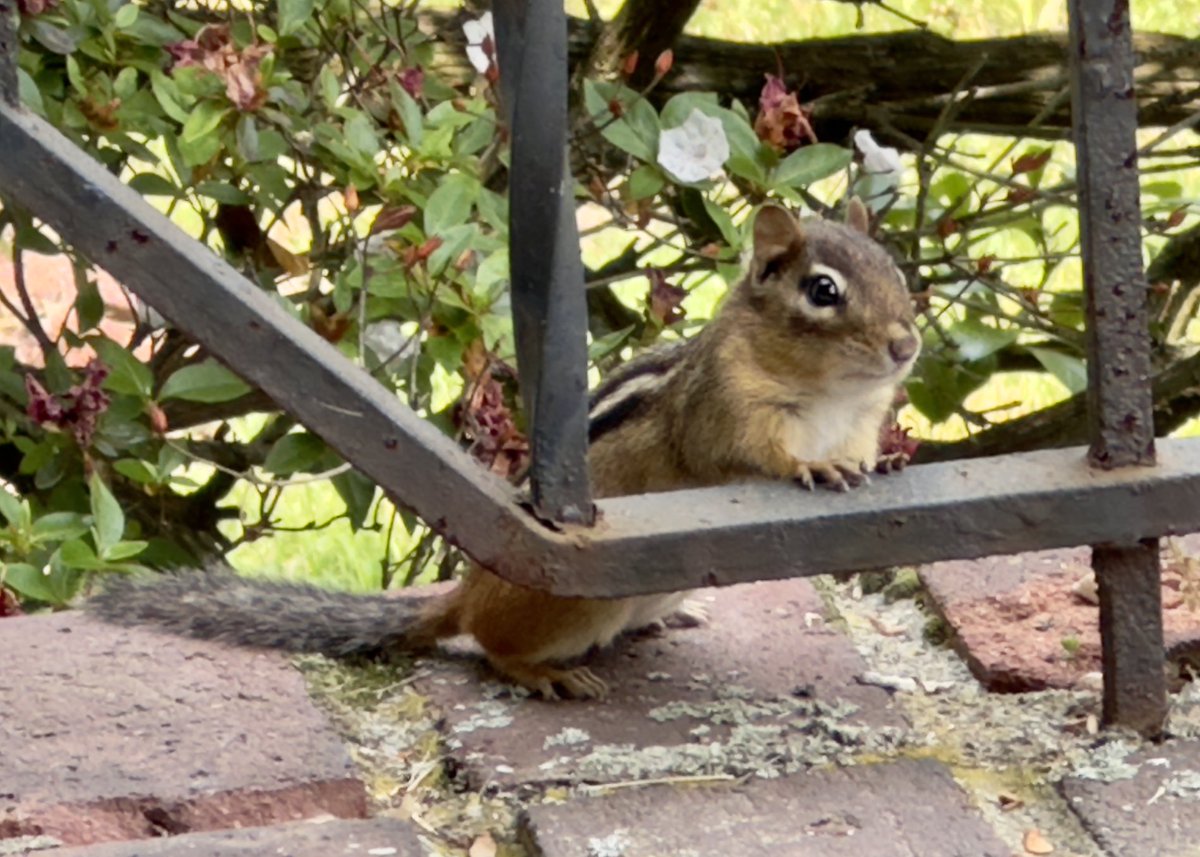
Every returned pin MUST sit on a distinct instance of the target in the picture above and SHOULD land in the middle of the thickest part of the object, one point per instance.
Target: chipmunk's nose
(904, 343)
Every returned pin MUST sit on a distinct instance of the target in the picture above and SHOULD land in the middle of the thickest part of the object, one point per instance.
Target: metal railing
(1116, 495)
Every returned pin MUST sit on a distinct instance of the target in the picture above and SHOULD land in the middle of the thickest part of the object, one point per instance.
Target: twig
(31, 321)
(659, 781)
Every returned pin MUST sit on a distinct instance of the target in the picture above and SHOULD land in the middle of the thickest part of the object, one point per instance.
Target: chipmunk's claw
(892, 462)
(841, 475)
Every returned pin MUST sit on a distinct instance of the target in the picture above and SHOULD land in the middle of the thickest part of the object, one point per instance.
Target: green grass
(333, 556)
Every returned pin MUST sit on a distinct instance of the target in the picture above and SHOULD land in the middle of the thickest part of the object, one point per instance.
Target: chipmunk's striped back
(632, 386)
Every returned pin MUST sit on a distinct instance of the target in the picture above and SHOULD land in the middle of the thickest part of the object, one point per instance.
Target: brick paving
(766, 658)
(1031, 621)
(380, 837)
(110, 734)
(754, 734)
(1155, 811)
(831, 813)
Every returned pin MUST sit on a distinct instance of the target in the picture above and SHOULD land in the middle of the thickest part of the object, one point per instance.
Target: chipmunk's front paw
(892, 462)
(841, 475)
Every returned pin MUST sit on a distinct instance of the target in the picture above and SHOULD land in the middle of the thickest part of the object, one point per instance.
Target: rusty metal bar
(548, 296)
(9, 46)
(953, 510)
(1120, 405)
(1132, 635)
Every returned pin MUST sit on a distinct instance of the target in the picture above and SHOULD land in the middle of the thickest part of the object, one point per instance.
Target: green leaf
(247, 138)
(976, 340)
(810, 164)
(28, 582)
(450, 205)
(294, 452)
(328, 86)
(1071, 370)
(126, 16)
(608, 343)
(1163, 189)
(126, 374)
(10, 507)
(645, 182)
(167, 94)
(358, 493)
(223, 192)
(31, 96)
(203, 120)
(360, 134)
(59, 527)
(123, 550)
(137, 470)
(78, 554)
(201, 151)
(294, 14)
(720, 216)
(636, 132)
(152, 184)
(89, 305)
(938, 387)
(208, 382)
(108, 521)
(410, 114)
(54, 39)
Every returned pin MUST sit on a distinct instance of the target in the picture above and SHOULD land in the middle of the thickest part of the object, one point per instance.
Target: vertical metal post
(9, 47)
(548, 296)
(1104, 118)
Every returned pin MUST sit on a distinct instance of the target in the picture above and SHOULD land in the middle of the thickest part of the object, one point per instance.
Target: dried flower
(895, 440)
(665, 298)
(696, 150)
(77, 410)
(412, 81)
(213, 49)
(33, 8)
(481, 42)
(486, 420)
(881, 160)
(781, 122)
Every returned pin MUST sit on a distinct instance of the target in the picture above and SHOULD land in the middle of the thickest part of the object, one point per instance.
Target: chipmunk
(793, 379)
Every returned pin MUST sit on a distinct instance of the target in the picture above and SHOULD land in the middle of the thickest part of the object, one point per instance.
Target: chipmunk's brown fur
(792, 380)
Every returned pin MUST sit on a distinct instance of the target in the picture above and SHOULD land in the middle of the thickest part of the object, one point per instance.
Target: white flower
(477, 33)
(879, 159)
(695, 150)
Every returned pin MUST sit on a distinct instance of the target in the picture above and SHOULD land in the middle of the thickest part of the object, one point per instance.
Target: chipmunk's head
(831, 297)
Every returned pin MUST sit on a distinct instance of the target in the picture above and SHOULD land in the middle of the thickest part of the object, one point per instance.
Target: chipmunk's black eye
(821, 289)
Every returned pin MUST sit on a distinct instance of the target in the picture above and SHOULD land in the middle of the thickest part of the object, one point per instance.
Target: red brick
(757, 645)
(116, 734)
(319, 838)
(1012, 614)
(908, 807)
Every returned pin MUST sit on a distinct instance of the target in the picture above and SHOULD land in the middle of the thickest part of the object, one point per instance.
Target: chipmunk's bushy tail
(217, 604)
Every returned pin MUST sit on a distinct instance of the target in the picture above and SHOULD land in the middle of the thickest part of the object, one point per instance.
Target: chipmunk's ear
(858, 216)
(778, 240)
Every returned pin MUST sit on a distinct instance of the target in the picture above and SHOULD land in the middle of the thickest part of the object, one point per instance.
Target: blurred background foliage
(348, 158)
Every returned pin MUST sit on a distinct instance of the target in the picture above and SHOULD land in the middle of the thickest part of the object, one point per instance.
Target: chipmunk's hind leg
(547, 681)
